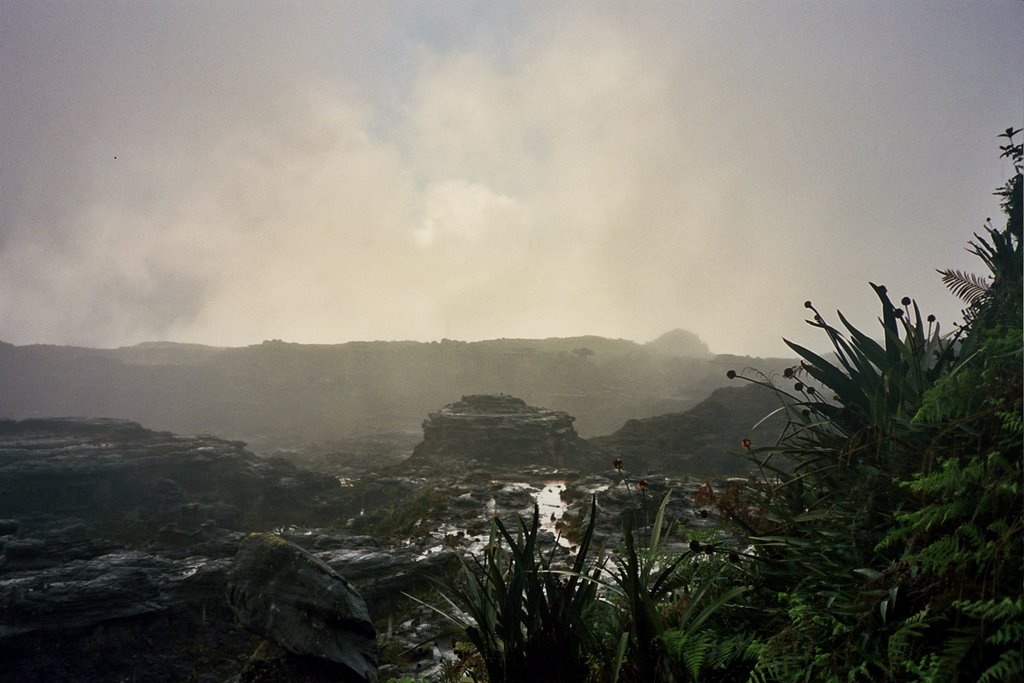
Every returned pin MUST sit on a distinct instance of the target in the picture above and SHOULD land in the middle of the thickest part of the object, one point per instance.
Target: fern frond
(954, 652)
(1009, 667)
(968, 287)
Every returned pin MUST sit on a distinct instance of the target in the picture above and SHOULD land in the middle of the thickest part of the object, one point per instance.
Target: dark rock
(271, 663)
(65, 541)
(500, 430)
(703, 441)
(83, 593)
(119, 473)
(282, 592)
(383, 575)
(109, 564)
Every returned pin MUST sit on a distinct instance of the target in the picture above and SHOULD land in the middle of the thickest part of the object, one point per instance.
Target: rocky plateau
(132, 554)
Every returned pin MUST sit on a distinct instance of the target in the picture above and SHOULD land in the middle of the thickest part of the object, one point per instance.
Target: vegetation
(883, 541)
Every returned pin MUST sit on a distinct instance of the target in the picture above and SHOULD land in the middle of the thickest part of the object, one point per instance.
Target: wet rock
(383, 575)
(83, 593)
(114, 544)
(110, 470)
(282, 592)
(65, 541)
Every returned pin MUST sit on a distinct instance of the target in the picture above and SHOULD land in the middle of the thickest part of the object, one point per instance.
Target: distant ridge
(285, 395)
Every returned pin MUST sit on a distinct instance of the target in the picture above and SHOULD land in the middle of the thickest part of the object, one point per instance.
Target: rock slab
(287, 595)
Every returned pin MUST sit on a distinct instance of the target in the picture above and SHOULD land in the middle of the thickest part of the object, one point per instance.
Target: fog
(225, 173)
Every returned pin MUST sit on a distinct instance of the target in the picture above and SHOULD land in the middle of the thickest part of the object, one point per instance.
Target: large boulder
(285, 594)
(500, 430)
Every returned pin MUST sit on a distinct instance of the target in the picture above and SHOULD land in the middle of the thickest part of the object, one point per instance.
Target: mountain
(679, 342)
(280, 395)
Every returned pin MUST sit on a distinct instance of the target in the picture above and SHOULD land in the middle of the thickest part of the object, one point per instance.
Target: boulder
(285, 594)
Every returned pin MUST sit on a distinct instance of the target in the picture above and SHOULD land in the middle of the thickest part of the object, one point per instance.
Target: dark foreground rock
(115, 542)
(116, 545)
(283, 593)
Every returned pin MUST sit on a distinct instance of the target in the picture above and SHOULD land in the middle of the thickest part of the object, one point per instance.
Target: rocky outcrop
(117, 471)
(499, 430)
(703, 441)
(283, 593)
(109, 530)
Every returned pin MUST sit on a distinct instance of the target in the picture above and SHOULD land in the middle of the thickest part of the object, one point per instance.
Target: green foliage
(404, 520)
(886, 535)
(893, 503)
(643, 579)
(527, 621)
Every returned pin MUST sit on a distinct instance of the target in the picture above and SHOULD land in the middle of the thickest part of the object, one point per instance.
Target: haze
(230, 172)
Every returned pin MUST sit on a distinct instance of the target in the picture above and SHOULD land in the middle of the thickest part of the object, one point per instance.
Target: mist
(320, 173)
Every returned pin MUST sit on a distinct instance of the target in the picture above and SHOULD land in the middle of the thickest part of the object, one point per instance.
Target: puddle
(552, 509)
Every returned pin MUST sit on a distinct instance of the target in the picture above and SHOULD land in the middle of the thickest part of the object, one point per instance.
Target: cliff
(703, 441)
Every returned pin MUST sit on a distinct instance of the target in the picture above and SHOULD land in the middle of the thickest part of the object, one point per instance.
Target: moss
(412, 519)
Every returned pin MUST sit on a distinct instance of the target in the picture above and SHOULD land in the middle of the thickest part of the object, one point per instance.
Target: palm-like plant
(894, 497)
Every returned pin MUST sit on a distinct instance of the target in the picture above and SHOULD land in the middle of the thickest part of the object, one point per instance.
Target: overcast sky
(229, 172)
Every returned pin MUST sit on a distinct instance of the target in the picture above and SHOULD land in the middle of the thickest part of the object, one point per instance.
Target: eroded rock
(287, 595)
(502, 430)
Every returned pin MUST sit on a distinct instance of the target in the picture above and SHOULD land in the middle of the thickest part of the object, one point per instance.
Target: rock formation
(283, 593)
(109, 530)
(499, 430)
(703, 441)
(113, 470)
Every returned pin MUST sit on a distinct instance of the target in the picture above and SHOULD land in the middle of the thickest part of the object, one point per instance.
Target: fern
(899, 645)
(968, 287)
(691, 648)
(1006, 608)
(1007, 669)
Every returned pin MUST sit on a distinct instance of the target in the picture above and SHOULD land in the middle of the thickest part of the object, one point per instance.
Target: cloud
(386, 172)
(469, 213)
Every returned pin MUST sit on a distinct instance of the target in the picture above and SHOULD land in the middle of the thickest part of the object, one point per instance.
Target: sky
(320, 172)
